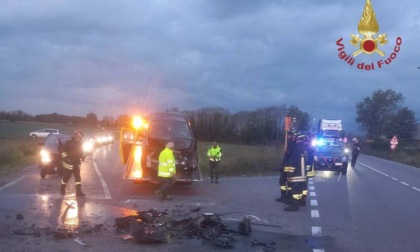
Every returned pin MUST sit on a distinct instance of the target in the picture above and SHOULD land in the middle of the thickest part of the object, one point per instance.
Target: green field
(243, 160)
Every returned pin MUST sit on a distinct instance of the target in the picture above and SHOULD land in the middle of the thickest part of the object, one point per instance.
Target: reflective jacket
(166, 167)
(214, 153)
(296, 167)
(72, 154)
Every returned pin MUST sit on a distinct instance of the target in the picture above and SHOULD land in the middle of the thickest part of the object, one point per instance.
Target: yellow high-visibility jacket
(214, 153)
(166, 167)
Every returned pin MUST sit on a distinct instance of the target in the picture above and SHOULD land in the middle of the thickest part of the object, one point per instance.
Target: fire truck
(141, 145)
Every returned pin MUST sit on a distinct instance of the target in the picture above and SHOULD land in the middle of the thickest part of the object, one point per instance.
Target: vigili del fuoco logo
(369, 43)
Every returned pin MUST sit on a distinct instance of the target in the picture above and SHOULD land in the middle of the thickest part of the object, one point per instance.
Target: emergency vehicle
(141, 145)
(329, 132)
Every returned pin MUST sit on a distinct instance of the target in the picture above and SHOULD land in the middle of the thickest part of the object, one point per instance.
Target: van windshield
(169, 130)
(331, 133)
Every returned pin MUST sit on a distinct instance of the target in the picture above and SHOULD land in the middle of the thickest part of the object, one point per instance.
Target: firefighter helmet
(77, 134)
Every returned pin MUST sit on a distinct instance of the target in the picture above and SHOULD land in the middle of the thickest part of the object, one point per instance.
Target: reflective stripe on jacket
(214, 153)
(72, 154)
(166, 164)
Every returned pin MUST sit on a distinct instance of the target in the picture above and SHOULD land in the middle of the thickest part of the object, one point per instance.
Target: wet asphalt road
(109, 197)
(357, 212)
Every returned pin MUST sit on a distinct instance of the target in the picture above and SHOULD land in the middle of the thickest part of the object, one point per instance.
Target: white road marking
(373, 169)
(314, 213)
(316, 231)
(104, 185)
(12, 182)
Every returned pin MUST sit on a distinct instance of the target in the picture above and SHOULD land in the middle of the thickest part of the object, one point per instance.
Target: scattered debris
(126, 237)
(144, 232)
(78, 240)
(32, 230)
(62, 233)
(244, 226)
(225, 241)
(268, 247)
(19, 216)
(155, 226)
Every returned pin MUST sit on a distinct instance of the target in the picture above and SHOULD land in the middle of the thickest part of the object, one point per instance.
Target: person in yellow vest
(166, 171)
(215, 155)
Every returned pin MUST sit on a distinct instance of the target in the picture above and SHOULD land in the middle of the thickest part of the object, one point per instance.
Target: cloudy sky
(128, 56)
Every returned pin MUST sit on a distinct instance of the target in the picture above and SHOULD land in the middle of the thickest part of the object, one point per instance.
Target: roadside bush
(14, 150)
(400, 155)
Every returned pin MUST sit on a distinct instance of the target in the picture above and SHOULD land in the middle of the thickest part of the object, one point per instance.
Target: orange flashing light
(137, 122)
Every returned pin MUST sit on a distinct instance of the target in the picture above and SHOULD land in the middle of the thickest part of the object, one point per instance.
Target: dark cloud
(110, 57)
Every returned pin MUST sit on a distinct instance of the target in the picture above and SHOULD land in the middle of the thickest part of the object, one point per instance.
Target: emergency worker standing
(355, 152)
(296, 172)
(166, 171)
(72, 157)
(310, 169)
(285, 190)
(215, 155)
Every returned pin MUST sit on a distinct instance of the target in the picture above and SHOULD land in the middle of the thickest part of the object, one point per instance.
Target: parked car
(334, 157)
(43, 132)
(50, 161)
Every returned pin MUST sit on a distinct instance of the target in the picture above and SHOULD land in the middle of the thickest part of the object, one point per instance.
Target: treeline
(89, 120)
(260, 126)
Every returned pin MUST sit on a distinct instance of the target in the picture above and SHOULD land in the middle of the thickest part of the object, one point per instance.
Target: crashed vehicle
(50, 161)
(331, 157)
(140, 147)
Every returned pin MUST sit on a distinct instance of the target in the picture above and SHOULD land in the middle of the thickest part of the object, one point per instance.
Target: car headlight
(346, 150)
(87, 146)
(45, 156)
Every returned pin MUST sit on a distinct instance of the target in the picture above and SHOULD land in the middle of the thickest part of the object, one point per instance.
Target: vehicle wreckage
(153, 226)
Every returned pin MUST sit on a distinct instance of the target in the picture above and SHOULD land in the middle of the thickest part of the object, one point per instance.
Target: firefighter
(285, 191)
(215, 154)
(166, 171)
(355, 151)
(72, 157)
(310, 169)
(296, 172)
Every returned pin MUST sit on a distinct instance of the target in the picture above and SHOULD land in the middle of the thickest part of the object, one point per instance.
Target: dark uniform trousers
(297, 179)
